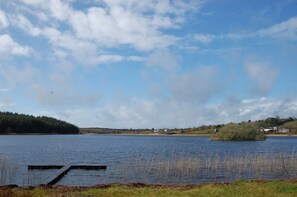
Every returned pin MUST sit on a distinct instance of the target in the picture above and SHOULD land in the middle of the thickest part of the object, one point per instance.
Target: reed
(213, 167)
(8, 172)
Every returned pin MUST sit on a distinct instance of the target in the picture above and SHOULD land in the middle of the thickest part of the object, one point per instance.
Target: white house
(269, 129)
(283, 130)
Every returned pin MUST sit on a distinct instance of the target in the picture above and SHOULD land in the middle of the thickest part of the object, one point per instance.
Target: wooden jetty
(63, 170)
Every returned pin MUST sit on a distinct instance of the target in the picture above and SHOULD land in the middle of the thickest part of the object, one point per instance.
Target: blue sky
(144, 64)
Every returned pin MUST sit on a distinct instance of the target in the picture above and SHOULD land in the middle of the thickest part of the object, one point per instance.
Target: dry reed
(182, 169)
(8, 172)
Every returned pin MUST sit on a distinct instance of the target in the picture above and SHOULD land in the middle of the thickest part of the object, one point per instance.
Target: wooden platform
(63, 170)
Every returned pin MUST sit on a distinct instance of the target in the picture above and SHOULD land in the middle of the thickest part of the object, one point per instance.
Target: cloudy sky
(150, 63)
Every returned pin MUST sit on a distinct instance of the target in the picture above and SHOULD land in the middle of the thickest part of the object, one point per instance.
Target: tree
(21, 124)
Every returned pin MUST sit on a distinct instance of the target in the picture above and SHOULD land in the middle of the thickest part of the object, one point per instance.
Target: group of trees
(274, 121)
(23, 124)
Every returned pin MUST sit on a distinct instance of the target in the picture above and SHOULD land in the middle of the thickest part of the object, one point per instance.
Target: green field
(239, 188)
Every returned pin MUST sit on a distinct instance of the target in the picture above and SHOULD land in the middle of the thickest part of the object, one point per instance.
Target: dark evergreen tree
(22, 124)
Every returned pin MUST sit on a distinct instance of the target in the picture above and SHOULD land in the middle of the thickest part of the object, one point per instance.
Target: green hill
(13, 123)
(292, 126)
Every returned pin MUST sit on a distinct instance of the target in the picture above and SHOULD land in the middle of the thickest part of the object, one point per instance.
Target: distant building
(269, 129)
(283, 130)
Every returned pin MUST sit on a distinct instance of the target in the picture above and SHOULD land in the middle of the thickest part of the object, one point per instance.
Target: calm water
(121, 154)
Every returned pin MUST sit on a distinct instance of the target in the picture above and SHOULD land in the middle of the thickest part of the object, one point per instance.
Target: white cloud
(58, 9)
(135, 58)
(284, 30)
(21, 75)
(5, 89)
(33, 2)
(23, 23)
(164, 59)
(133, 29)
(55, 88)
(81, 50)
(59, 88)
(264, 76)
(142, 113)
(4, 105)
(3, 20)
(255, 109)
(133, 113)
(204, 38)
(54, 95)
(103, 59)
(195, 86)
(9, 46)
(65, 44)
(91, 32)
(138, 24)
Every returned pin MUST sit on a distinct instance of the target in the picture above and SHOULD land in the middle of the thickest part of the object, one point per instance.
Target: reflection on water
(149, 159)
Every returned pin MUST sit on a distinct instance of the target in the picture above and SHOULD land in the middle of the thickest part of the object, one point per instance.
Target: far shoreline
(177, 134)
(138, 134)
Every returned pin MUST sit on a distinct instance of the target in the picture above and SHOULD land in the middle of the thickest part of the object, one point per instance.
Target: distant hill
(13, 123)
(289, 123)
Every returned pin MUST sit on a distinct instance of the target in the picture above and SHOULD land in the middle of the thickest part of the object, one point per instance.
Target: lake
(148, 159)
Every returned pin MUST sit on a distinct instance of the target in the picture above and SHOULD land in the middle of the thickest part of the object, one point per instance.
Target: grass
(238, 189)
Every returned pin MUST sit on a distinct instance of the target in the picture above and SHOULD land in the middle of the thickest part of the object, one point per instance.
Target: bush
(239, 132)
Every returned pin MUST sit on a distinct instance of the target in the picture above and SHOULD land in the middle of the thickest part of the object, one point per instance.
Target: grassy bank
(239, 188)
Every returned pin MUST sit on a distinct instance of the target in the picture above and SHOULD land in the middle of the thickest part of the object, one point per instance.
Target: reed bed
(213, 168)
(8, 172)
(185, 169)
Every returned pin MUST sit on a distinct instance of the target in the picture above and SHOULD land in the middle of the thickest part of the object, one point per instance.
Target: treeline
(25, 124)
(97, 130)
(274, 121)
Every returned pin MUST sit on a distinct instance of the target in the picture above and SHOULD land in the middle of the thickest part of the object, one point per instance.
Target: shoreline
(177, 134)
(146, 134)
(139, 134)
(231, 189)
(281, 135)
(143, 185)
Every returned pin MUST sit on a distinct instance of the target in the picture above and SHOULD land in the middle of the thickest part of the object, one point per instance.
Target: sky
(150, 63)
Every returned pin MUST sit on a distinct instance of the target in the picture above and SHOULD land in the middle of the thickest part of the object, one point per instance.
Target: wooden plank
(44, 167)
(63, 170)
(58, 176)
(89, 167)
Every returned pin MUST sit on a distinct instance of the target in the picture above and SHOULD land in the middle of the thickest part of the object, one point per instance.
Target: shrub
(238, 132)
